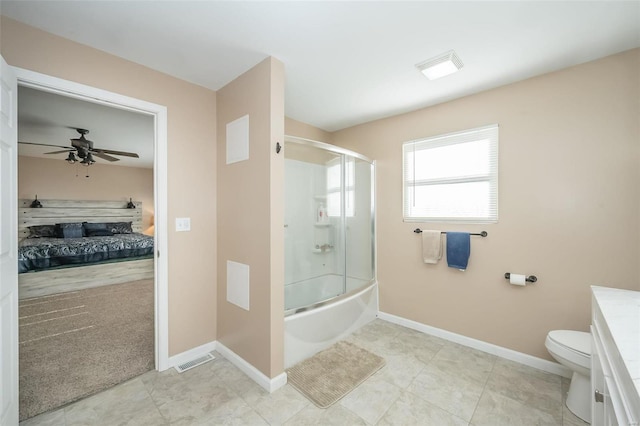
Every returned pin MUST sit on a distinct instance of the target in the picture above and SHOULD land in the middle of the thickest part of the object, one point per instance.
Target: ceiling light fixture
(88, 160)
(441, 65)
(71, 158)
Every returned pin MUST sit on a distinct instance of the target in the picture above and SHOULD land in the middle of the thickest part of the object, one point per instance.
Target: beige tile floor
(426, 381)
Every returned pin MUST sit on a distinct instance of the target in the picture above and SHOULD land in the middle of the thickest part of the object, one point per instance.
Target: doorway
(158, 113)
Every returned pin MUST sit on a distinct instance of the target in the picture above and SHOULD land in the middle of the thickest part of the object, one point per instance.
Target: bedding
(36, 254)
(70, 230)
(40, 231)
(120, 227)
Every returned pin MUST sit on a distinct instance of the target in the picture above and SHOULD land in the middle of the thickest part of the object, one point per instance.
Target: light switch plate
(183, 224)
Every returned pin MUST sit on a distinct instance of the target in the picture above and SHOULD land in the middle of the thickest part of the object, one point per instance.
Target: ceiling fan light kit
(88, 160)
(83, 151)
(71, 159)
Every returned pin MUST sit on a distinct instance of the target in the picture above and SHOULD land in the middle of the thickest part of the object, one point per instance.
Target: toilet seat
(573, 346)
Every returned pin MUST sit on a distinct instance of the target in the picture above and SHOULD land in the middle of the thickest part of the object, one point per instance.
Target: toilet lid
(579, 341)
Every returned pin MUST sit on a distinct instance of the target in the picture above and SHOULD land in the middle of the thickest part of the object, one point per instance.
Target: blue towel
(458, 249)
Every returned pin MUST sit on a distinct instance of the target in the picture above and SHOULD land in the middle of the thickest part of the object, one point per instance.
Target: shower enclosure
(330, 281)
(329, 236)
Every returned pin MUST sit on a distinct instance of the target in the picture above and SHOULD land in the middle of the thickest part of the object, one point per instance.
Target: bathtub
(318, 327)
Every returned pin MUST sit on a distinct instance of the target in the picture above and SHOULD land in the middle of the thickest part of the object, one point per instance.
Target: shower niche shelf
(322, 224)
(320, 251)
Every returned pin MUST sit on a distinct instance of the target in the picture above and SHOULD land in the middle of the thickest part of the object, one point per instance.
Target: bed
(90, 256)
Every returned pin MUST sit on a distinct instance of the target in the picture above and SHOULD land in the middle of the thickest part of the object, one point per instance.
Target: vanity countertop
(621, 312)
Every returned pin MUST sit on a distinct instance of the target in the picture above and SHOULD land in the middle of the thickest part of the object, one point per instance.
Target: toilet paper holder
(529, 279)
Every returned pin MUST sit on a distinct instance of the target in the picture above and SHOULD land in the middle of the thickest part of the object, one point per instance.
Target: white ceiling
(346, 62)
(51, 119)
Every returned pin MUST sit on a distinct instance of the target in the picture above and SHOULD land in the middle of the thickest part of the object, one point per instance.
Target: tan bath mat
(328, 376)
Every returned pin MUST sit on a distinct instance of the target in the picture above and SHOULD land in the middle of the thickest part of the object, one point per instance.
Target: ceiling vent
(441, 65)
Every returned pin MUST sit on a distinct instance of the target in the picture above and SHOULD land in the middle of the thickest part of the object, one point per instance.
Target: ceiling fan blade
(105, 156)
(60, 152)
(43, 144)
(110, 151)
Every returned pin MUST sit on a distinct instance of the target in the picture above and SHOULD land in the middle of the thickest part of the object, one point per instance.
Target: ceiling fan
(82, 150)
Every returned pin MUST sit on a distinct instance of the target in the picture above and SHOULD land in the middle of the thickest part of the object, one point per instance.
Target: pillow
(91, 226)
(99, 233)
(43, 231)
(71, 230)
(120, 227)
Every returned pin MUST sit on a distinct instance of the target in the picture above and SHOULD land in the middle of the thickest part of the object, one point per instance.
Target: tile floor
(426, 381)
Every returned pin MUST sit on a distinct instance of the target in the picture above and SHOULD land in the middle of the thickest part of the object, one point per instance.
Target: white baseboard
(268, 384)
(191, 354)
(531, 361)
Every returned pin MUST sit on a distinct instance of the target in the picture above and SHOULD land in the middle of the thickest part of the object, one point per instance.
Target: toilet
(573, 350)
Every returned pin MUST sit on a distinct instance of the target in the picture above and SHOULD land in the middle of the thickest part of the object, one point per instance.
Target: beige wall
(191, 165)
(306, 131)
(250, 217)
(569, 205)
(56, 179)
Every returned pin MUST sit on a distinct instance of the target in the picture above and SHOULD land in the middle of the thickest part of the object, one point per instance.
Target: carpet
(328, 376)
(75, 344)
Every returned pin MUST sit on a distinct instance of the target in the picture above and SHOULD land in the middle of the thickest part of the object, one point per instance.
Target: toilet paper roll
(517, 279)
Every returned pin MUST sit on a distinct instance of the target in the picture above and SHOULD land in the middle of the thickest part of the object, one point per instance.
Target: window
(334, 182)
(452, 178)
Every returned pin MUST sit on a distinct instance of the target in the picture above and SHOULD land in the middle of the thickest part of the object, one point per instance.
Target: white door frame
(83, 92)
(8, 246)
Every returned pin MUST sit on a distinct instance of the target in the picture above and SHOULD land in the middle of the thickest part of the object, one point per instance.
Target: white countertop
(621, 311)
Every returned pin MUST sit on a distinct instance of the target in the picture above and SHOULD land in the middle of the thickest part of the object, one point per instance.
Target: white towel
(431, 246)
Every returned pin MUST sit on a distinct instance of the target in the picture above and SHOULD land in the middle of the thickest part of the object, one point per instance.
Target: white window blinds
(452, 178)
(334, 184)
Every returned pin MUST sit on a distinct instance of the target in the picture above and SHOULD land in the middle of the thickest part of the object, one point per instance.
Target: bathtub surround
(328, 221)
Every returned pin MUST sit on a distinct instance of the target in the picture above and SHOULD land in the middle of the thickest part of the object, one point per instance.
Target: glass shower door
(359, 223)
(314, 241)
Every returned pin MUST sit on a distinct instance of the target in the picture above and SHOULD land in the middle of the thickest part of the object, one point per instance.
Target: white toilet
(573, 350)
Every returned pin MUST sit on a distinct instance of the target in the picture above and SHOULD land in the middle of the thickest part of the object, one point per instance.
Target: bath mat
(328, 376)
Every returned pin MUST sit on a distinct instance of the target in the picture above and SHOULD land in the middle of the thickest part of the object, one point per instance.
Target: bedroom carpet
(328, 376)
(76, 344)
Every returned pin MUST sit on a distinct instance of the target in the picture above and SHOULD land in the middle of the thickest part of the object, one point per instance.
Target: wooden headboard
(64, 211)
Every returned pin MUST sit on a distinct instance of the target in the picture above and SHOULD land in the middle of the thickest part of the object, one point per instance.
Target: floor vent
(194, 363)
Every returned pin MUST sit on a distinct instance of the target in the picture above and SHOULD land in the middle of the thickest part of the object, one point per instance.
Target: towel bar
(481, 234)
